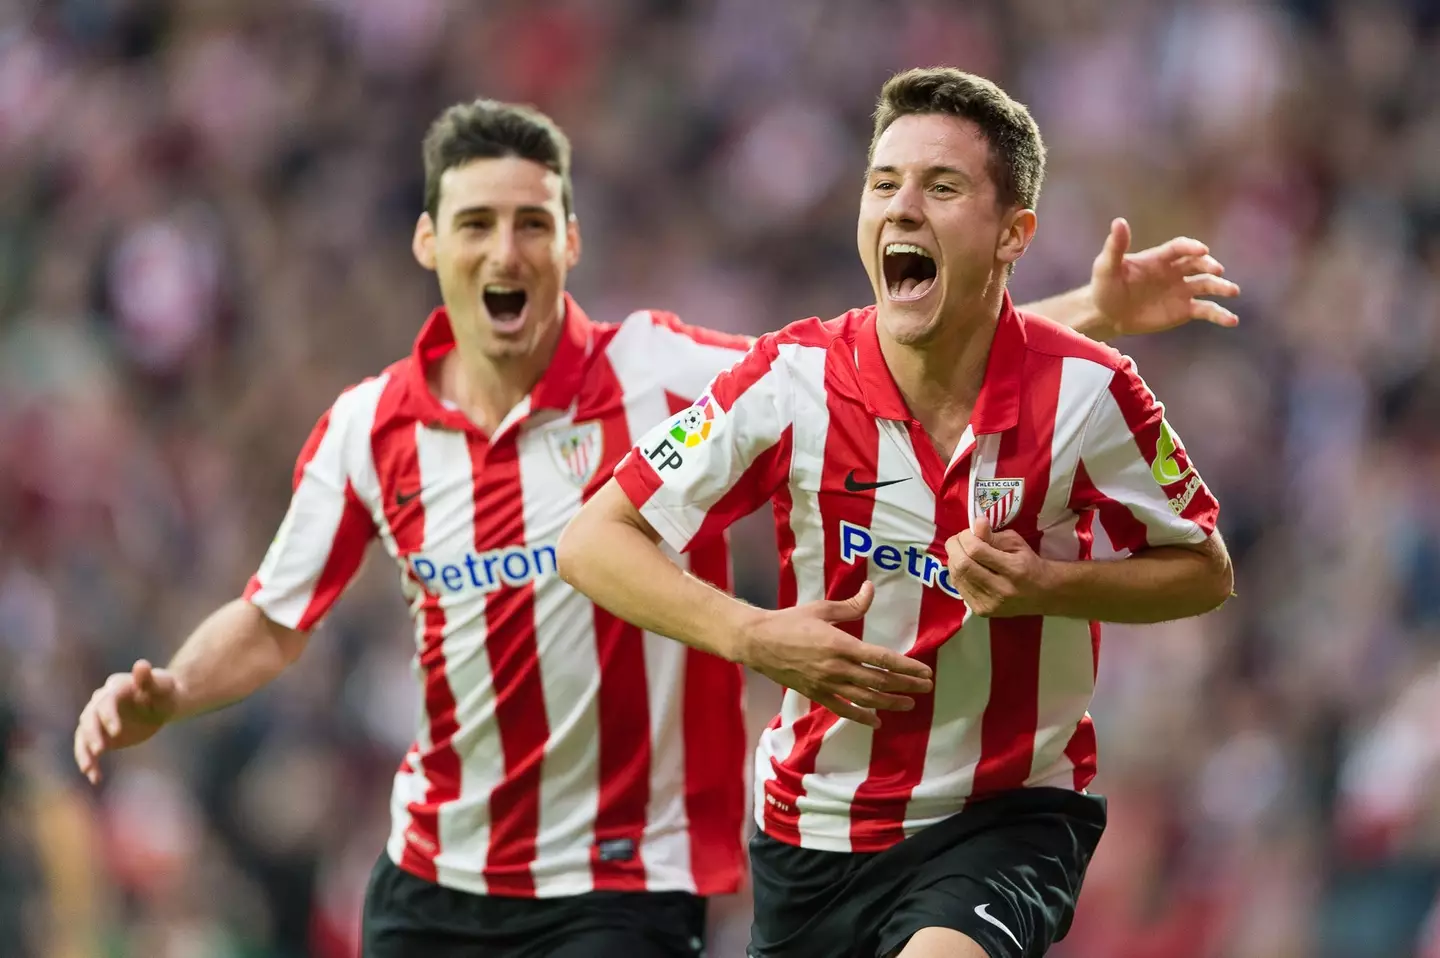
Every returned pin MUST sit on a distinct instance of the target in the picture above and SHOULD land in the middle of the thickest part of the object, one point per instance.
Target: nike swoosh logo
(983, 912)
(402, 499)
(855, 485)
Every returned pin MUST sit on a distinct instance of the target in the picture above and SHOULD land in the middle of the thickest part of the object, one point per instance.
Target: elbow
(1219, 580)
(570, 551)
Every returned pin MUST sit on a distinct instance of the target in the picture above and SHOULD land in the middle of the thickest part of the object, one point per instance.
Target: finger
(980, 528)
(1117, 243)
(1177, 248)
(91, 734)
(847, 710)
(1206, 285)
(873, 699)
(1192, 265)
(1212, 313)
(855, 607)
(1010, 541)
(84, 761)
(908, 675)
(986, 555)
(144, 675)
(107, 713)
(876, 680)
(981, 587)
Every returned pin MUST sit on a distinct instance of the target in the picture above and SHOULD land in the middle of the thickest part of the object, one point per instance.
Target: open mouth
(909, 271)
(506, 306)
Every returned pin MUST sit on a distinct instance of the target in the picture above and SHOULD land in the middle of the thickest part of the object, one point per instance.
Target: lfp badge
(692, 427)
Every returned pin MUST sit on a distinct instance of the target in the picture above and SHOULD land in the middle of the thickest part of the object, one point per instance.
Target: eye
(535, 225)
(943, 188)
(883, 186)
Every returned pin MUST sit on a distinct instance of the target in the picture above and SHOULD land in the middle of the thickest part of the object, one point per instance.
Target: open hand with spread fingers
(127, 710)
(802, 648)
(997, 573)
(1157, 288)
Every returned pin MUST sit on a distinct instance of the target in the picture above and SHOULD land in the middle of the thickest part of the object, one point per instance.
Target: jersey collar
(998, 406)
(556, 389)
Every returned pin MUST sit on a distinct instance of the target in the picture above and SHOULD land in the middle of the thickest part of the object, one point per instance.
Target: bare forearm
(233, 653)
(1077, 310)
(1156, 586)
(623, 570)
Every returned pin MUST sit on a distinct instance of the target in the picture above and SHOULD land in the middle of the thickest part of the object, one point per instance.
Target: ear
(572, 242)
(1016, 236)
(423, 242)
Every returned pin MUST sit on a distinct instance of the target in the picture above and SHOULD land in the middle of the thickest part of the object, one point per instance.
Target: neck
(940, 379)
(486, 388)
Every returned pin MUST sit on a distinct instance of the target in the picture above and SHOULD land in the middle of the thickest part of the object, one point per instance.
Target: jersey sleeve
(1135, 475)
(694, 356)
(325, 532)
(721, 458)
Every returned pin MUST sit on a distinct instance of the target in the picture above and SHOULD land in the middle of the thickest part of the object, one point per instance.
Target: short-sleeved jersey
(559, 750)
(1066, 446)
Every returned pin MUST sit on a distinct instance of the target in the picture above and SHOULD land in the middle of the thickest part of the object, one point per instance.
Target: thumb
(981, 529)
(150, 682)
(1117, 244)
(855, 607)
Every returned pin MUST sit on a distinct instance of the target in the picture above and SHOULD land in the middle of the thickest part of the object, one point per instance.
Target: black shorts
(1006, 871)
(407, 916)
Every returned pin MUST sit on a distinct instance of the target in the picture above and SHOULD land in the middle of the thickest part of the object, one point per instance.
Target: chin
(907, 326)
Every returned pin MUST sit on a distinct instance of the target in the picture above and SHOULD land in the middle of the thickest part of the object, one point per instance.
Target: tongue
(910, 286)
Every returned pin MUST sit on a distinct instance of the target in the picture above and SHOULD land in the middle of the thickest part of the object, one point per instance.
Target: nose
(904, 207)
(504, 252)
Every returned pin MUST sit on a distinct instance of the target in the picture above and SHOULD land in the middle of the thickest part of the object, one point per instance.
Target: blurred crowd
(205, 214)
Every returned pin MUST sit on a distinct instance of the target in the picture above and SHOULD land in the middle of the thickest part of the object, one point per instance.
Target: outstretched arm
(1154, 290)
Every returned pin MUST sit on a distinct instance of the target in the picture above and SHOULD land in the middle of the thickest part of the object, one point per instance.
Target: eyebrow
(928, 171)
(476, 210)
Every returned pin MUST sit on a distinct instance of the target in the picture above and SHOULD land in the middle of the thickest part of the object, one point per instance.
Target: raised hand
(801, 648)
(127, 710)
(1158, 288)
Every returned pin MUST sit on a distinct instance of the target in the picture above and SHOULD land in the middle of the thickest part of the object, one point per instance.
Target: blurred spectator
(204, 234)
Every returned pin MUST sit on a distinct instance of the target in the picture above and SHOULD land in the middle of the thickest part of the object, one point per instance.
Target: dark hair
(489, 129)
(1017, 154)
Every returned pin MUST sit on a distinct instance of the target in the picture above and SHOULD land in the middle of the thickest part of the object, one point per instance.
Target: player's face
(931, 234)
(501, 247)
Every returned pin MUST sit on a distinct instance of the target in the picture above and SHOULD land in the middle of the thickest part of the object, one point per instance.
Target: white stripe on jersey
(807, 462)
(569, 676)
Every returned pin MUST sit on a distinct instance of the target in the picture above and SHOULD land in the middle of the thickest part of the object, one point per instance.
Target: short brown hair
(490, 129)
(1017, 154)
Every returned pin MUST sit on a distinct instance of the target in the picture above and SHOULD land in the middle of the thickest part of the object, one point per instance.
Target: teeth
(906, 248)
(501, 289)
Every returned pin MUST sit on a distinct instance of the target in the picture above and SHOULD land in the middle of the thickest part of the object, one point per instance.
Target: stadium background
(205, 212)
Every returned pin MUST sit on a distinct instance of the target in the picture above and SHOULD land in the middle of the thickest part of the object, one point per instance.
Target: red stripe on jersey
(705, 337)
(638, 478)
(1144, 415)
(347, 550)
(1007, 726)
(715, 748)
(510, 644)
(397, 465)
(1082, 750)
(897, 754)
(1120, 524)
(852, 437)
(1083, 753)
(766, 474)
(623, 703)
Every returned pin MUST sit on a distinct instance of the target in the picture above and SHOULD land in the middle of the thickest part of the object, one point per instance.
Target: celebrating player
(942, 467)
(576, 785)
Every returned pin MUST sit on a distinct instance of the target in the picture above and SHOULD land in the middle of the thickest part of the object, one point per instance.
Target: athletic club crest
(578, 450)
(998, 500)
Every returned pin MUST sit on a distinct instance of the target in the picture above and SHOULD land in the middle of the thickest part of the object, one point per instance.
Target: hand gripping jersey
(1066, 447)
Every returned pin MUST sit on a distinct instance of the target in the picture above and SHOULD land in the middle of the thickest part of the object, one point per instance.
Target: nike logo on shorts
(983, 912)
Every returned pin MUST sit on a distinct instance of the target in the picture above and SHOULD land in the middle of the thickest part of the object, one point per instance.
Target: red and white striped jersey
(1066, 446)
(559, 749)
